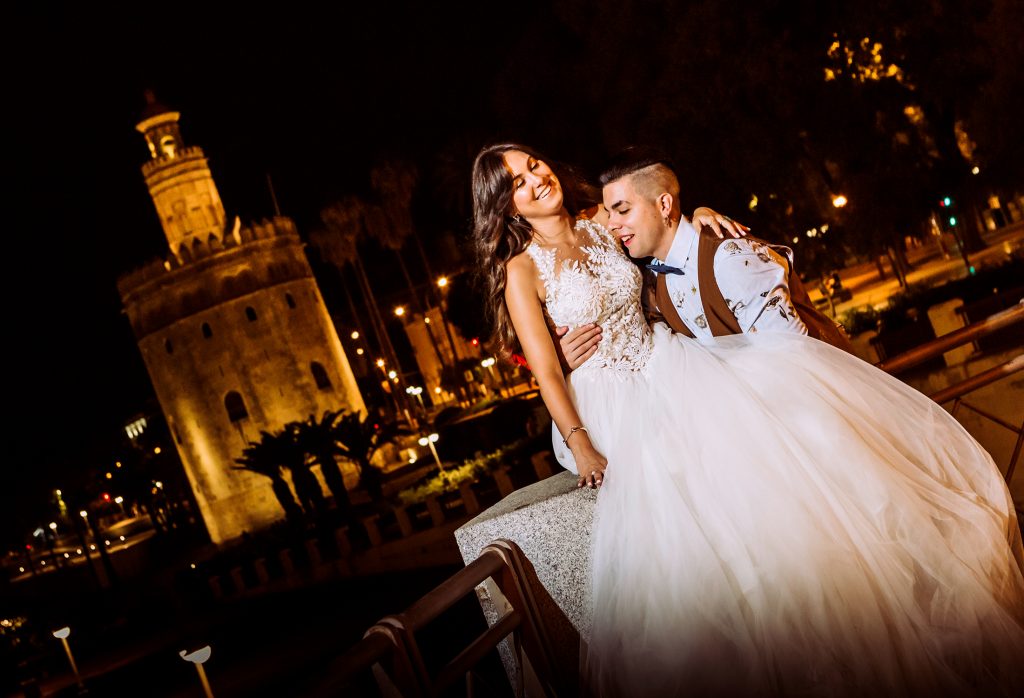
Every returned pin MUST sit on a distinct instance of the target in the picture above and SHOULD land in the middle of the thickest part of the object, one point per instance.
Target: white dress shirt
(753, 278)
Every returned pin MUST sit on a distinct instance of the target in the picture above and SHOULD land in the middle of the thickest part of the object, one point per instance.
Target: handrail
(940, 345)
(980, 380)
(392, 643)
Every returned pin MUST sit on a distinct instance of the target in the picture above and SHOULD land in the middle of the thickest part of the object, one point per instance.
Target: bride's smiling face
(536, 191)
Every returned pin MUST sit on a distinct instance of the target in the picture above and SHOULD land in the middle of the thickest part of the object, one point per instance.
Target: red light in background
(474, 341)
(106, 497)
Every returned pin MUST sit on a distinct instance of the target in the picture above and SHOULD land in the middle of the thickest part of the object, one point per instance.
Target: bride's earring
(517, 219)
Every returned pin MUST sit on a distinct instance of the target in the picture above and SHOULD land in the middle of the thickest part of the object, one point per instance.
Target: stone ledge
(550, 521)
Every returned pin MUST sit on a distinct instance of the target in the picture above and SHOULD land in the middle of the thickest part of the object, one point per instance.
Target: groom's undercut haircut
(651, 170)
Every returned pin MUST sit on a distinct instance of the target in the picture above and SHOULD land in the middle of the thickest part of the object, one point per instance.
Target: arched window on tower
(320, 376)
(250, 313)
(168, 346)
(290, 300)
(168, 146)
(235, 406)
(207, 331)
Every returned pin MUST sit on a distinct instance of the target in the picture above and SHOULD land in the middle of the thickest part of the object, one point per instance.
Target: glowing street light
(198, 658)
(430, 441)
(392, 375)
(62, 635)
(354, 335)
(53, 526)
(442, 282)
(417, 391)
(399, 311)
(380, 363)
(839, 201)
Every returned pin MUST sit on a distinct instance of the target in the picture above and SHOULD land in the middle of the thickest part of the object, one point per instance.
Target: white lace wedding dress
(778, 517)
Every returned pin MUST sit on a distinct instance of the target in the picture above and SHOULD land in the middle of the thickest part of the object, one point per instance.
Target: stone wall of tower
(240, 315)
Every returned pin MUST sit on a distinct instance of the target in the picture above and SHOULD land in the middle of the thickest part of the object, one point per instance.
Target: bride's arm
(527, 316)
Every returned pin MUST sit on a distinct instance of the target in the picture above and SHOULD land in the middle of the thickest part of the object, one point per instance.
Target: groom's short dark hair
(632, 160)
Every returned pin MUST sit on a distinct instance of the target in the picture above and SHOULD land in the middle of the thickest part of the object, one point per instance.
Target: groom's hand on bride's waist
(579, 345)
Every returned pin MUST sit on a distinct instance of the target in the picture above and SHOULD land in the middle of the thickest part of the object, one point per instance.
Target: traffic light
(946, 202)
(952, 221)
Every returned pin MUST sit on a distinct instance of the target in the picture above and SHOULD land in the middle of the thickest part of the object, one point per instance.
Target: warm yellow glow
(839, 201)
(488, 362)
(83, 513)
(974, 170)
(360, 352)
(753, 202)
(861, 61)
(426, 320)
(392, 375)
(53, 525)
(442, 282)
(380, 363)
(109, 476)
(156, 450)
(437, 390)
(354, 335)
(399, 311)
(117, 464)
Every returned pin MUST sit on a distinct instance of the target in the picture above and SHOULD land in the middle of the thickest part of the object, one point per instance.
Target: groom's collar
(681, 243)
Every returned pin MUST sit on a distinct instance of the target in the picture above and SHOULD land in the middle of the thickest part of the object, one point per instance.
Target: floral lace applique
(604, 288)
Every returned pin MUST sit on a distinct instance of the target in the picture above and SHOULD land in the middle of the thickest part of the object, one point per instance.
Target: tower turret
(179, 181)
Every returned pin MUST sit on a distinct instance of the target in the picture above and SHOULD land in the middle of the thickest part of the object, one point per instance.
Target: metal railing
(957, 391)
(390, 654)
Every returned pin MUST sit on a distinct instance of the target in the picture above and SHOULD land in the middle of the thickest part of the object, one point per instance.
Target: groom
(700, 284)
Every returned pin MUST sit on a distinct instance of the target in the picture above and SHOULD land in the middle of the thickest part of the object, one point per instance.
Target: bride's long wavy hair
(498, 236)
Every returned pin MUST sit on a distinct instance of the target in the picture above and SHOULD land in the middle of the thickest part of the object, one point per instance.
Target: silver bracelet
(565, 441)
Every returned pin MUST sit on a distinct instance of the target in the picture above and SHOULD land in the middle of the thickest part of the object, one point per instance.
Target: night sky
(313, 98)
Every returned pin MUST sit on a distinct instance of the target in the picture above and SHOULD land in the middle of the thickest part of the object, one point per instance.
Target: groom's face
(633, 218)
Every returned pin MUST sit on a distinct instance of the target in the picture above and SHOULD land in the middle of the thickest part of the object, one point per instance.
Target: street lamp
(442, 282)
(399, 311)
(354, 335)
(62, 635)
(430, 441)
(198, 658)
(417, 391)
(839, 201)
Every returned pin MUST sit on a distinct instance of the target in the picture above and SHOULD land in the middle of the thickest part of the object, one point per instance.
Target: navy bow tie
(664, 268)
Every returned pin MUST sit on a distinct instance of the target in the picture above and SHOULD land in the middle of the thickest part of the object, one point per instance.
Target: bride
(776, 517)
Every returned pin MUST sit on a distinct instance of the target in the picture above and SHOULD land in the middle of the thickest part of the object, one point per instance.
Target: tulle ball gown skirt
(782, 519)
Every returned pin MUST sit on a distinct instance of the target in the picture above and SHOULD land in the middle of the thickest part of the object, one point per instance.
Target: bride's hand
(705, 216)
(590, 465)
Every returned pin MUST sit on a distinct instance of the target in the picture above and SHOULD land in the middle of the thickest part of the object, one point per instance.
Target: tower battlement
(265, 229)
(192, 152)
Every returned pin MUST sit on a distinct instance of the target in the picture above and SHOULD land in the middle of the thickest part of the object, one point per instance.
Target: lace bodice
(603, 288)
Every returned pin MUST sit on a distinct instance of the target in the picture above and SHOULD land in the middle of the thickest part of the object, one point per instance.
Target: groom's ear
(665, 203)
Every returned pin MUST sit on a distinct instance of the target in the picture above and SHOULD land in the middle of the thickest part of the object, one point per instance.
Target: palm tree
(317, 437)
(359, 438)
(307, 487)
(267, 457)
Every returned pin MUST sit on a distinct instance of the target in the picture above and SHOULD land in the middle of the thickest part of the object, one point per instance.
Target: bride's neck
(555, 229)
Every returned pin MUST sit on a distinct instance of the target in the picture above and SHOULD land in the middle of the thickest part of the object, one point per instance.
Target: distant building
(233, 331)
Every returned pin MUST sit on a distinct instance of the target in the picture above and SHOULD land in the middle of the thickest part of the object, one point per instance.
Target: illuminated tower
(233, 331)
